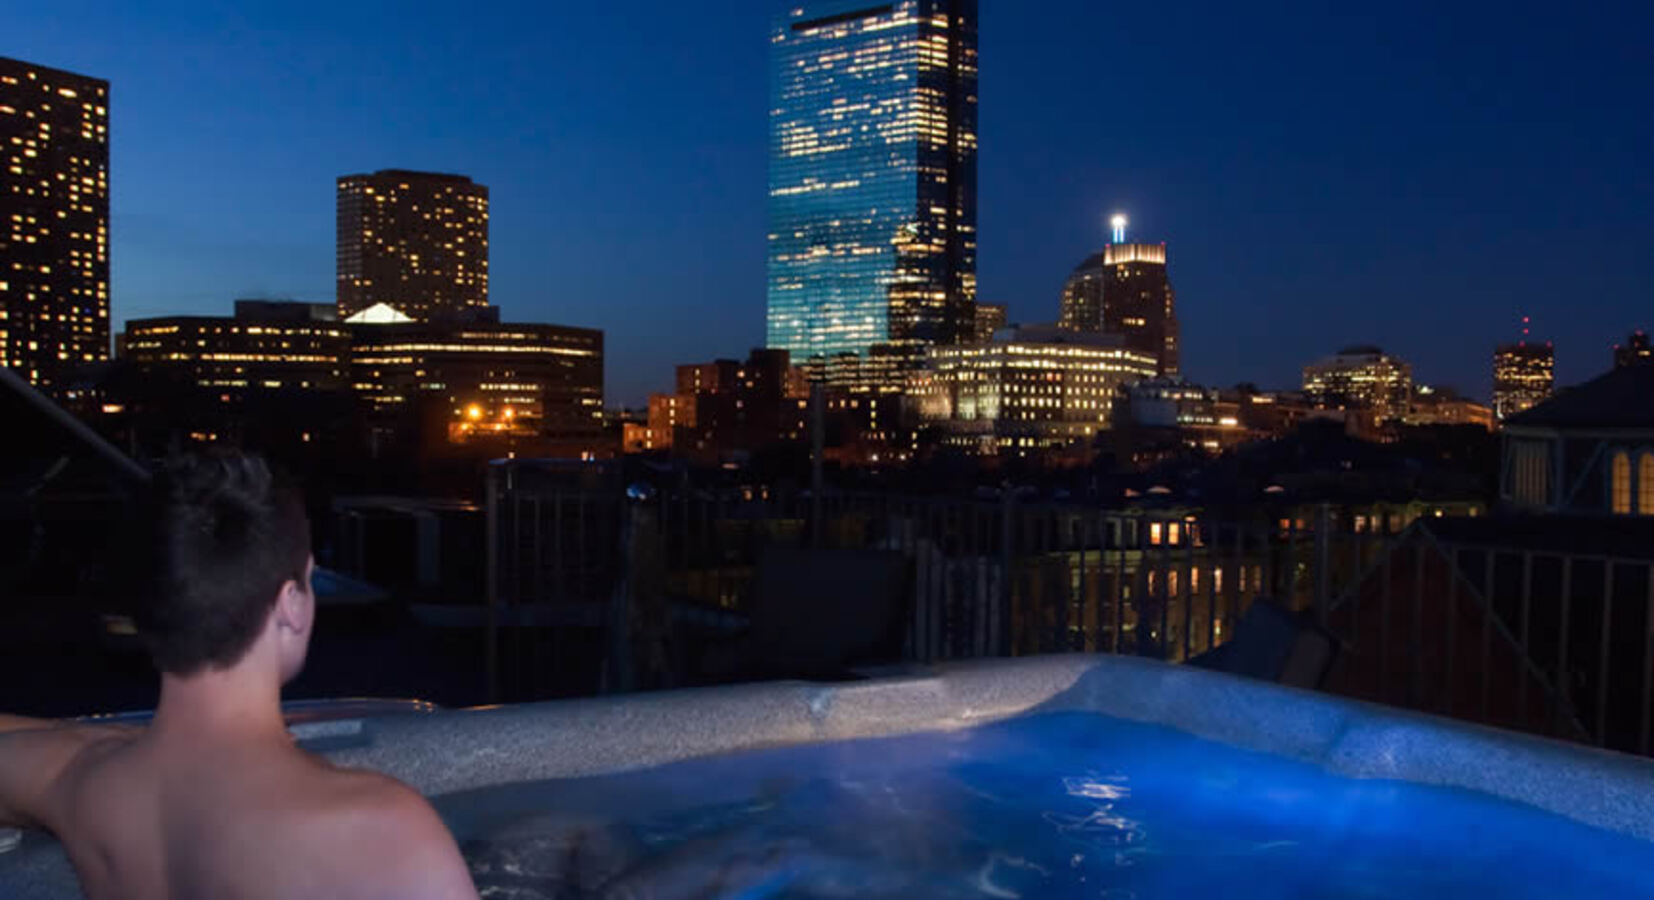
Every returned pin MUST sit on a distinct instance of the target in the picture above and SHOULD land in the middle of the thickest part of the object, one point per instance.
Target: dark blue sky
(1413, 174)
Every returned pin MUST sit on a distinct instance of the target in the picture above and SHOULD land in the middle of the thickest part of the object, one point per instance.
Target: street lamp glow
(1117, 224)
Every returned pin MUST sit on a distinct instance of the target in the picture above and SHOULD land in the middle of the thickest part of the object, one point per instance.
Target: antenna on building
(1117, 228)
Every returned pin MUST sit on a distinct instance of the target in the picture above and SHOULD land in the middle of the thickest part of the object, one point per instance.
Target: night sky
(1416, 175)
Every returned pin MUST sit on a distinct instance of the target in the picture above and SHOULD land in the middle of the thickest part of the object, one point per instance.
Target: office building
(266, 346)
(883, 370)
(1363, 379)
(1138, 301)
(469, 377)
(54, 222)
(872, 181)
(1636, 351)
(1445, 406)
(1040, 387)
(414, 241)
(1082, 296)
(1524, 376)
(990, 317)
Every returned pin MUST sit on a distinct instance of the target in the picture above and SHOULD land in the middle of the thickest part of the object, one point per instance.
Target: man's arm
(33, 755)
(22, 723)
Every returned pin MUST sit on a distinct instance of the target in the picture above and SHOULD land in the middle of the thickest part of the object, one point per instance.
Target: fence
(994, 575)
(1553, 643)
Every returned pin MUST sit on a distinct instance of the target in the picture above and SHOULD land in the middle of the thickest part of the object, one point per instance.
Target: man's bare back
(142, 814)
(212, 799)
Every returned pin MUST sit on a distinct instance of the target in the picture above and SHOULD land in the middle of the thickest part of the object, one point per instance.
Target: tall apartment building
(414, 241)
(54, 221)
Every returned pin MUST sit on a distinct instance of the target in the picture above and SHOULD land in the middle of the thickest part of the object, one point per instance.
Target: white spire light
(1117, 226)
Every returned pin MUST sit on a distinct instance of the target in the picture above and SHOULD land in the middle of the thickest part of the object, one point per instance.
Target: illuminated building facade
(1082, 296)
(872, 182)
(1635, 351)
(1524, 376)
(54, 221)
(1138, 302)
(1361, 378)
(990, 317)
(883, 370)
(415, 241)
(1044, 387)
(475, 378)
(266, 346)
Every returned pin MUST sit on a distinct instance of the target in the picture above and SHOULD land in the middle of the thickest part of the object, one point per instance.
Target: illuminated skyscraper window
(415, 241)
(54, 221)
(872, 185)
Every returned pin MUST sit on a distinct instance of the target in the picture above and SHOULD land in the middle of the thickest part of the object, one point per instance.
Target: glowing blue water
(1060, 805)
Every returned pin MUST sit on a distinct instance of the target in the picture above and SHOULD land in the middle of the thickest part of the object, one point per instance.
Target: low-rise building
(1589, 449)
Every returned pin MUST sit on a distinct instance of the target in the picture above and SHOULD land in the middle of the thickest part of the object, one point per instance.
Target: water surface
(1054, 805)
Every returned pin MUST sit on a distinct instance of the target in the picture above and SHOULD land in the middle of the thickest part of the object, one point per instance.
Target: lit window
(1645, 484)
(1619, 489)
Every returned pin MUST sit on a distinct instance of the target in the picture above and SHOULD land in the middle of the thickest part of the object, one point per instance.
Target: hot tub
(1047, 777)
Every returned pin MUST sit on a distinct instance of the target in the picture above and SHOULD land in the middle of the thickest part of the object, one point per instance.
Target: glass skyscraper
(872, 186)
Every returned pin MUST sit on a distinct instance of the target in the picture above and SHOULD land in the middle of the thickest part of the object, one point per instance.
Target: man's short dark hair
(228, 533)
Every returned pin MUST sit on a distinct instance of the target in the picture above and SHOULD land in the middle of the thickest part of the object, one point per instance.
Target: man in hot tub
(213, 799)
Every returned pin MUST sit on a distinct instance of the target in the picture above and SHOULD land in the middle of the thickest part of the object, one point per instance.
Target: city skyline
(1406, 205)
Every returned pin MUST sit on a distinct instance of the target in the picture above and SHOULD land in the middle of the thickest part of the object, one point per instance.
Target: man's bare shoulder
(383, 826)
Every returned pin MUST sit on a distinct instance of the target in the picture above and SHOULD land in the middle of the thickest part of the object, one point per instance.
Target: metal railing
(1551, 643)
(990, 576)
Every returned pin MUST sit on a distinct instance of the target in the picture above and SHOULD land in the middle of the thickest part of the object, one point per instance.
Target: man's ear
(295, 608)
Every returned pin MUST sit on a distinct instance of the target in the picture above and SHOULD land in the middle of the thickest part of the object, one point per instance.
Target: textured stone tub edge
(478, 748)
(468, 749)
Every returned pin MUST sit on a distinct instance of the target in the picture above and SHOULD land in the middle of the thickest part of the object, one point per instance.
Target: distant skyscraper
(872, 183)
(416, 241)
(1138, 302)
(1524, 376)
(54, 221)
(990, 317)
(1082, 296)
(1635, 351)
